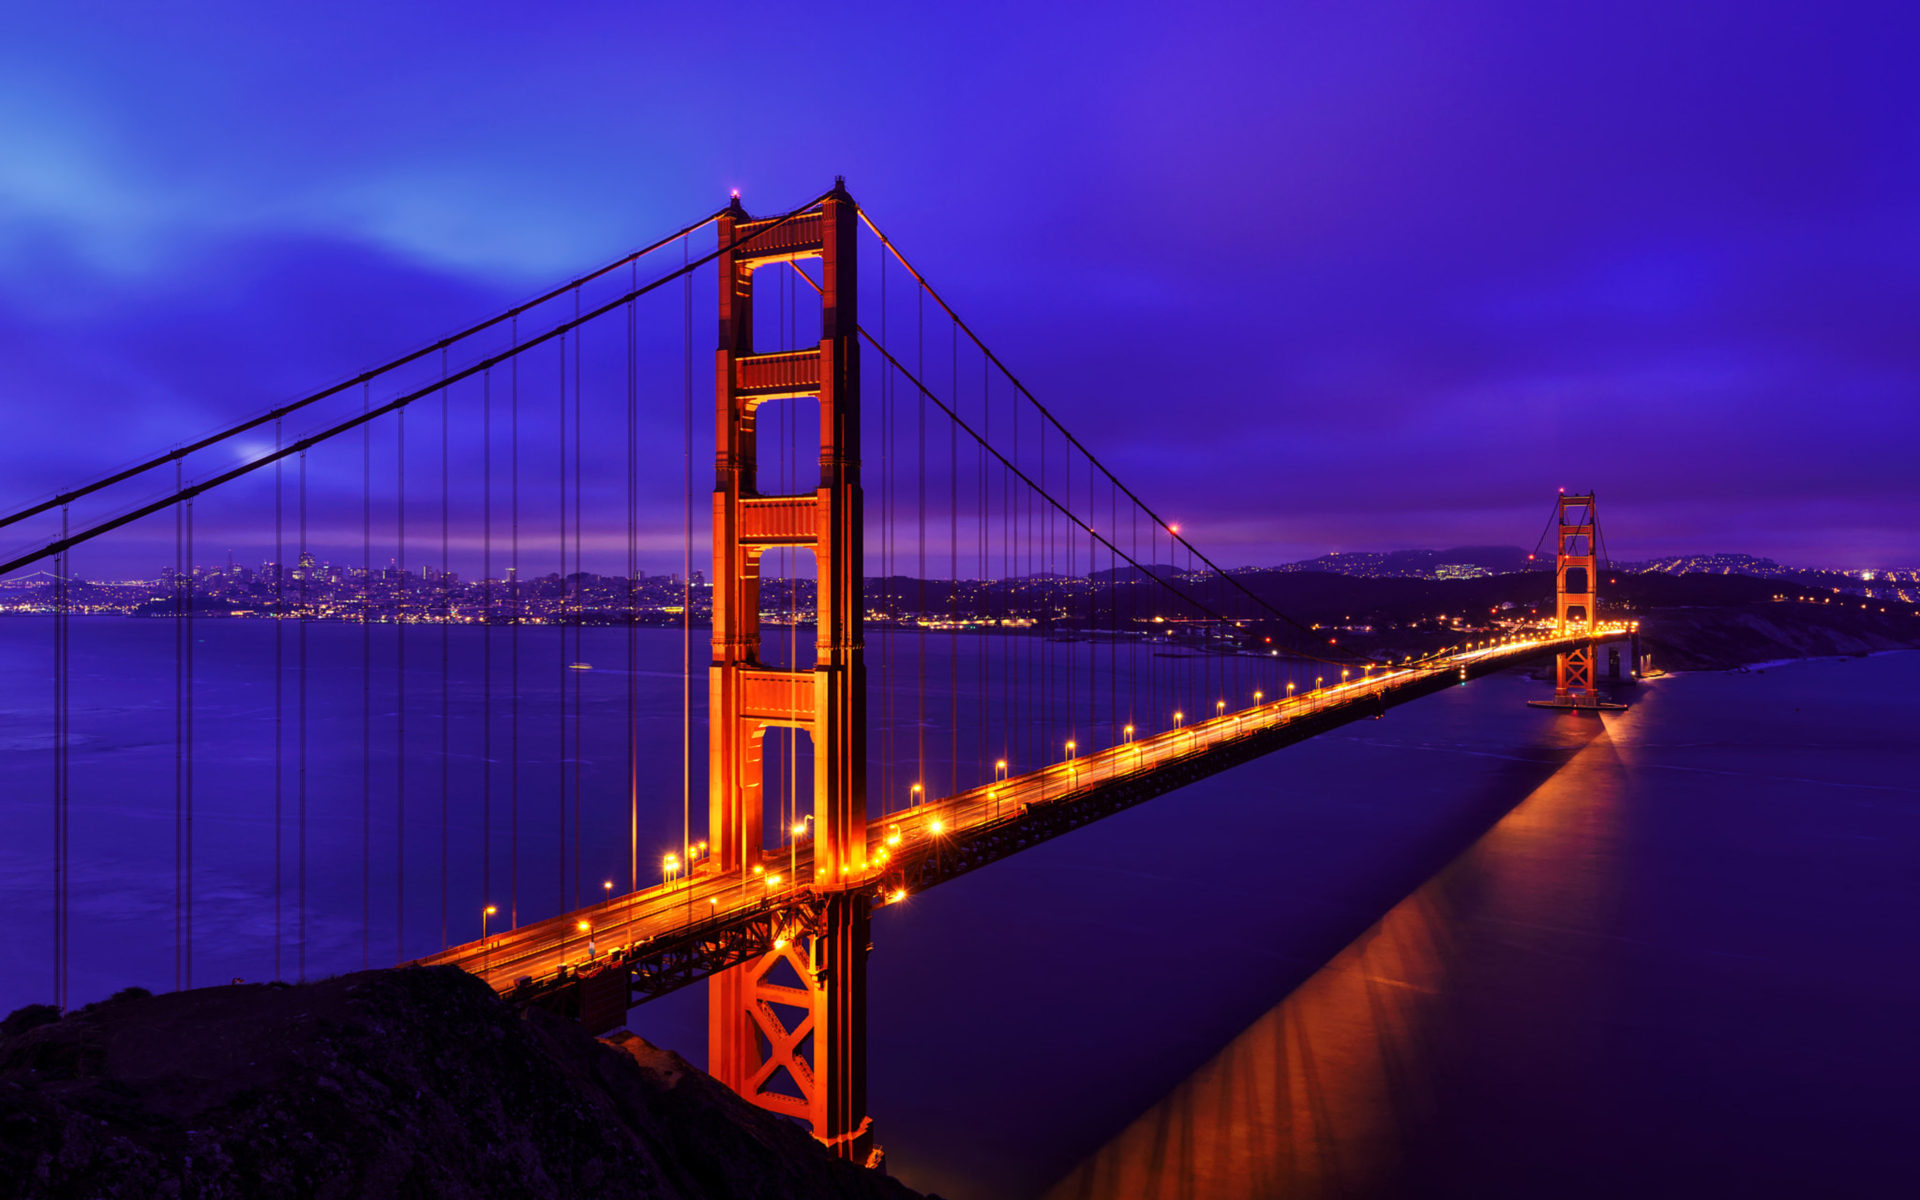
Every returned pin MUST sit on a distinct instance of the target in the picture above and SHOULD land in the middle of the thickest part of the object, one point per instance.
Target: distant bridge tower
(819, 975)
(1576, 584)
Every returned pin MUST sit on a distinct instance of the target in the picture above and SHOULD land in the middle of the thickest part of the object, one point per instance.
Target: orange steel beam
(821, 974)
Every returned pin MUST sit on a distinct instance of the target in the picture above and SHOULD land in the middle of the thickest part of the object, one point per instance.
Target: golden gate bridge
(940, 501)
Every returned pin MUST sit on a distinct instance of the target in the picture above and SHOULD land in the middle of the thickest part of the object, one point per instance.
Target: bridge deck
(665, 936)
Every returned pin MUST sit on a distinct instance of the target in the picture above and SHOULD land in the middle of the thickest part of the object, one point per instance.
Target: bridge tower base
(788, 1031)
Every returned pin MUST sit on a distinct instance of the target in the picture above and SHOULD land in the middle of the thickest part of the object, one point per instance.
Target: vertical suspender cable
(633, 594)
(686, 567)
(301, 705)
(486, 638)
(446, 627)
(887, 781)
(560, 620)
(579, 577)
(953, 580)
(920, 573)
(279, 691)
(399, 603)
(366, 683)
(179, 740)
(187, 752)
(513, 637)
(61, 912)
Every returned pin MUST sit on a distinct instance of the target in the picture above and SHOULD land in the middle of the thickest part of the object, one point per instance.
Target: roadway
(703, 895)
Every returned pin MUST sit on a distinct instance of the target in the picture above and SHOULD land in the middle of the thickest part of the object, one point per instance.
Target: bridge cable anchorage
(187, 492)
(1075, 442)
(181, 452)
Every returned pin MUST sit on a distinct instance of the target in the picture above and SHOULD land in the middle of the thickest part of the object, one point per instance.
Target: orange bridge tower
(788, 1031)
(1576, 583)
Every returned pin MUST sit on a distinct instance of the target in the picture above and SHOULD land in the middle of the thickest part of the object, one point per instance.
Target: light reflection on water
(1683, 965)
(1319, 1096)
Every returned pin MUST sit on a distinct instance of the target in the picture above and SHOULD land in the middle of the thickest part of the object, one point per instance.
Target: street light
(668, 865)
(999, 770)
(1069, 751)
(1178, 718)
(913, 795)
(608, 888)
(486, 947)
(587, 929)
(1126, 733)
(799, 831)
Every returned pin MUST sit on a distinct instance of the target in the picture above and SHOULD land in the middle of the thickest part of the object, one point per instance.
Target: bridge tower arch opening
(809, 992)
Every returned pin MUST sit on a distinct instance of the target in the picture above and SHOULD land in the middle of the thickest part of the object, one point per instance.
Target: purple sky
(1312, 277)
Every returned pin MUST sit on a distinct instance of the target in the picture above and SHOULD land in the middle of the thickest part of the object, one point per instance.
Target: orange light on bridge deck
(773, 881)
(758, 869)
(899, 894)
(583, 927)
(780, 943)
(938, 827)
(893, 834)
(913, 795)
(1219, 706)
(1127, 732)
(1069, 751)
(1000, 770)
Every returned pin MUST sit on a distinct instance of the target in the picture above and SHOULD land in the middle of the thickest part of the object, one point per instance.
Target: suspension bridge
(1052, 648)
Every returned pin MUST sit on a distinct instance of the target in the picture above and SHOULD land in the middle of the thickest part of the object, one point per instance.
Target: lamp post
(1000, 770)
(1073, 768)
(799, 831)
(1126, 733)
(486, 947)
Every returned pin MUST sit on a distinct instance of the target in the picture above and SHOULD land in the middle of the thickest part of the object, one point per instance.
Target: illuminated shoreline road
(915, 848)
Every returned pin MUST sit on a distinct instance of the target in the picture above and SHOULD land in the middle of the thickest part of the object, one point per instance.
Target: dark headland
(412, 1082)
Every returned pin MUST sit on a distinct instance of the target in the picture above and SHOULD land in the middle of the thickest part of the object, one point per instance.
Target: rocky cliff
(383, 1083)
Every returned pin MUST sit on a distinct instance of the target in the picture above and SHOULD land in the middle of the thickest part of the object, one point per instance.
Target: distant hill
(1460, 562)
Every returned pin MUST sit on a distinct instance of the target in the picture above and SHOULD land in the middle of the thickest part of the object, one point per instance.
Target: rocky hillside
(383, 1083)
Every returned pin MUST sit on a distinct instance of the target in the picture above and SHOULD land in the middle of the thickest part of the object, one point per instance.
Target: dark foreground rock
(415, 1082)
